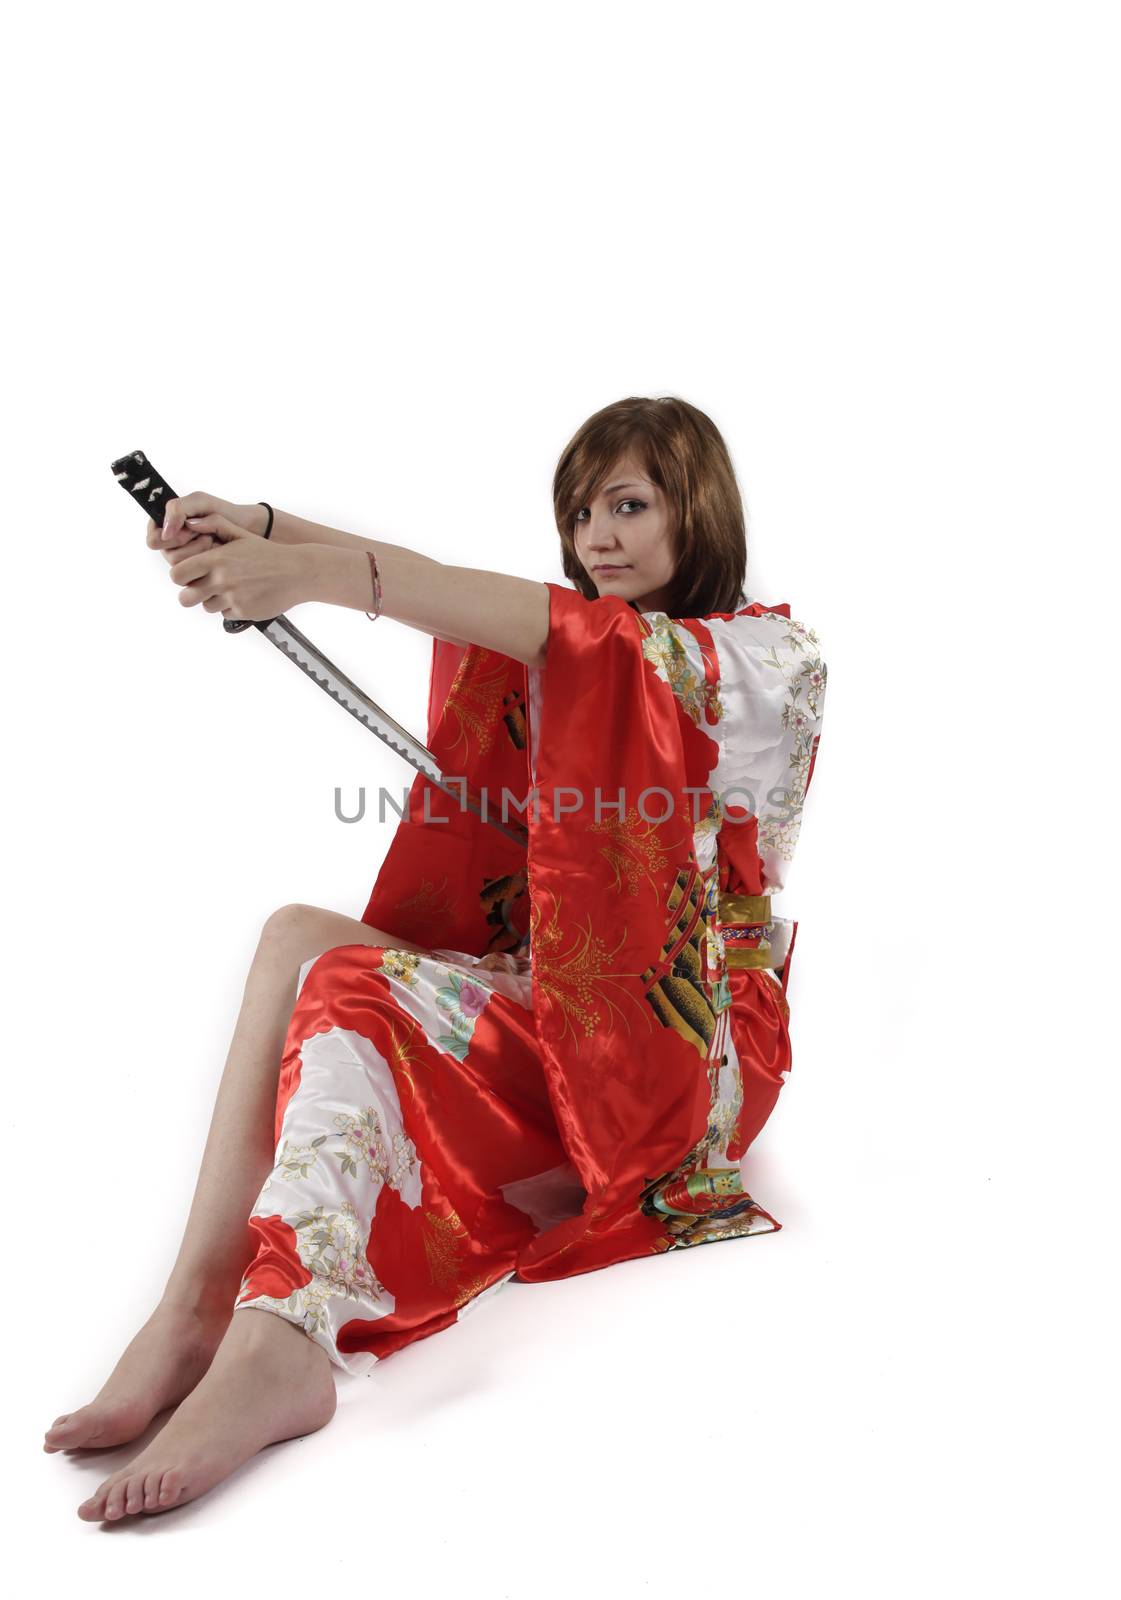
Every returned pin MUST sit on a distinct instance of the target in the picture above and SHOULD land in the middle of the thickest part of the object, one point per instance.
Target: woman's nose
(601, 537)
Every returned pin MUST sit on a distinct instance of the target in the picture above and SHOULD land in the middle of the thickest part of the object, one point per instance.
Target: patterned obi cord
(744, 923)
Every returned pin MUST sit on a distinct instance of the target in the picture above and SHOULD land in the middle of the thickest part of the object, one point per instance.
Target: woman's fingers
(202, 590)
(196, 576)
(188, 544)
(211, 565)
(221, 527)
(188, 516)
(194, 547)
(167, 536)
(176, 512)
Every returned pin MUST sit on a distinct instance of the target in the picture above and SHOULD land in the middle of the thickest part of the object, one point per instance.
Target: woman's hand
(175, 540)
(498, 961)
(175, 534)
(228, 568)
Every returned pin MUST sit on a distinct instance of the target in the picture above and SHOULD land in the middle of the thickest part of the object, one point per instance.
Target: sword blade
(333, 681)
(284, 634)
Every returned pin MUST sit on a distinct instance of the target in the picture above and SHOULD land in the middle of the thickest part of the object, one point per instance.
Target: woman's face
(624, 539)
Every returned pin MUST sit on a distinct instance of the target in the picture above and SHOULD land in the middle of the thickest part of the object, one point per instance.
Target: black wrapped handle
(136, 473)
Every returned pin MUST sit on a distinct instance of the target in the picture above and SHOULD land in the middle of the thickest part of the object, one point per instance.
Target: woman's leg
(218, 1243)
(175, 1346)
(436, 1108)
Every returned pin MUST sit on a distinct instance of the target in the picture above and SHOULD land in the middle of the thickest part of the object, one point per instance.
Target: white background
(376, 264)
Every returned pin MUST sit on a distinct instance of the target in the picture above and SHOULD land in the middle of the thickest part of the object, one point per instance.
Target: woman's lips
(622, 568)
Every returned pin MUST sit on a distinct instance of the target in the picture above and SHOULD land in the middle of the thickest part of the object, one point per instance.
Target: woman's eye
(641, 504)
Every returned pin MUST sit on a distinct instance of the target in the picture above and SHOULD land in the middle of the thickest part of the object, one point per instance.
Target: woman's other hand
(228, 568)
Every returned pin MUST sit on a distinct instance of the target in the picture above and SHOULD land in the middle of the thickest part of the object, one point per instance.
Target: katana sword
(136, 474)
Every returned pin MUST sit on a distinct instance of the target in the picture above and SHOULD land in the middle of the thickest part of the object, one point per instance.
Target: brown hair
(681, 450)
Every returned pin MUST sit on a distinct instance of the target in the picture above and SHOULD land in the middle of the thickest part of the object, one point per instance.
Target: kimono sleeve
(772, 691)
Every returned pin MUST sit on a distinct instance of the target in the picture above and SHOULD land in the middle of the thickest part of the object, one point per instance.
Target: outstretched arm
(287, 528)
(243, 577)
(492, 609)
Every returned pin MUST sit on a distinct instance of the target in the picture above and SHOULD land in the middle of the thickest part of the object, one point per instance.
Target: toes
(61, 1430)
(92, 1509)
(171, 1487)
(124, 1496)
(100, 1426)
(115, 1500)
(54, 1435)
(121, 1497)
(75, 1428)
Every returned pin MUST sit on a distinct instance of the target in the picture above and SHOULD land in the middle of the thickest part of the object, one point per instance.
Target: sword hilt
(136, 473)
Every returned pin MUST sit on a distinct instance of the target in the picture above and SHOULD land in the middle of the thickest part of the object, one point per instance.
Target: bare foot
(268, 1381)
(162, 1364)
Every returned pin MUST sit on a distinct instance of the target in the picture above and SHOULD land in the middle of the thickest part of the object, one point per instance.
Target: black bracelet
(268, 508)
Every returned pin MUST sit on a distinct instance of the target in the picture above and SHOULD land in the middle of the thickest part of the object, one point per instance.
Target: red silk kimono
(572, 1070)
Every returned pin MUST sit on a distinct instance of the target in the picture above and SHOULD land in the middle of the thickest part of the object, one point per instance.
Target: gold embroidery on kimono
(444, 1238)
(404, 1053)
(634, 848)
(475, 703)
(430, 900)
(574, 982)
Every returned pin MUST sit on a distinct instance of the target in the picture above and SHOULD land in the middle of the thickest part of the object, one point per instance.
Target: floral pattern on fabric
(323, 1197)
(464, 1001)
(797, 657)
(775, 704)
(676, 654)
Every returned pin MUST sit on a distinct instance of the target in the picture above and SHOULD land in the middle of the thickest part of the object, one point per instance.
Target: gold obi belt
(743, 920)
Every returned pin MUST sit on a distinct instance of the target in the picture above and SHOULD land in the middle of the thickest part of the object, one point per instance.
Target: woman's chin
(620, 583)
(623, 585)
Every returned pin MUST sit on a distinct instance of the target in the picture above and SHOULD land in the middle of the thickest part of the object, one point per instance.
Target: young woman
(539, 1051)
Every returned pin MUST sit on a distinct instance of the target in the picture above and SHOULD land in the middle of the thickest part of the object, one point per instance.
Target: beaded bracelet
(376, 613)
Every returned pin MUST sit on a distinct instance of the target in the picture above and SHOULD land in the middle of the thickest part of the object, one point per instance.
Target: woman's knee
(300, 931)
(291, 924)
